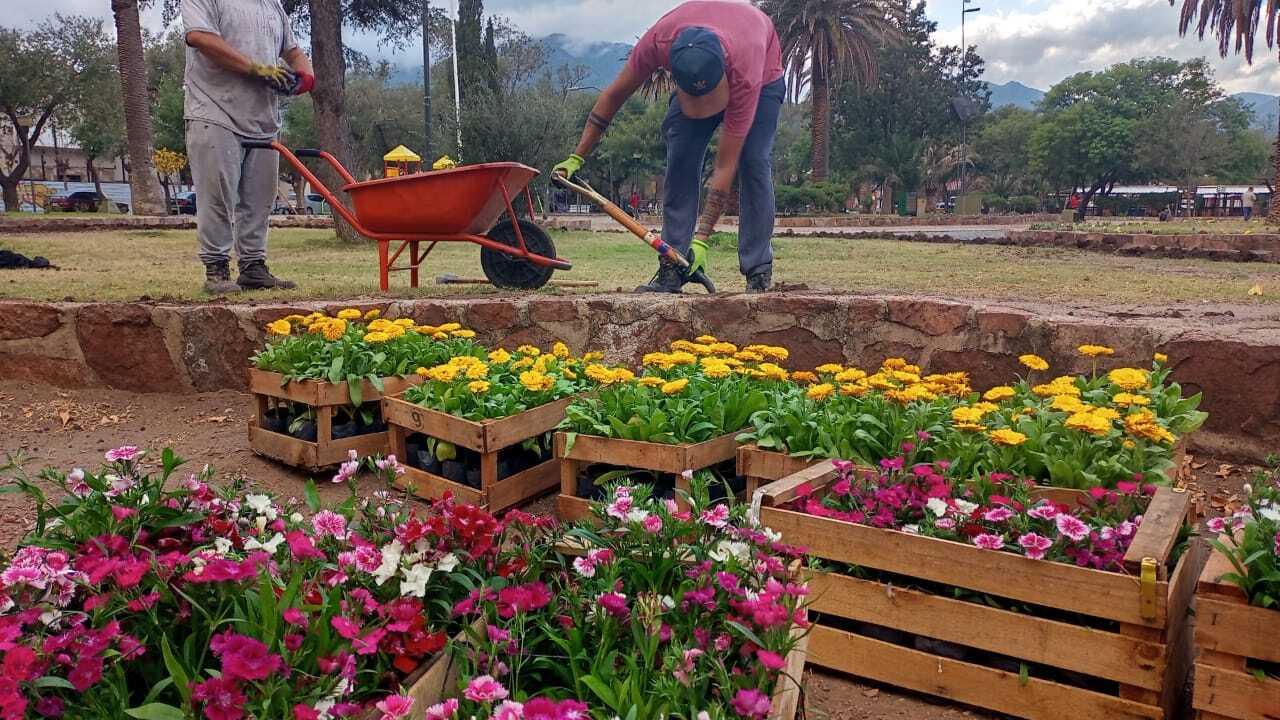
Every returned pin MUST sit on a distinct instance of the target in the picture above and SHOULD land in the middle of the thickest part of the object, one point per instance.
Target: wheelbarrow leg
(413, 258)
(383, 279)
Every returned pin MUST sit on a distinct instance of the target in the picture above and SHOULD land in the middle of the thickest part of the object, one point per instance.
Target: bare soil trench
(53, 427)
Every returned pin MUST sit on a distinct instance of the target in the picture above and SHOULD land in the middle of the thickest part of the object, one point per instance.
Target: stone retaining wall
(185, 348)
(1262, 247)
(80, 223)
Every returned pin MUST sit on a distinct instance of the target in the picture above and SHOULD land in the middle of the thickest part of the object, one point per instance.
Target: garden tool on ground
(648, 236)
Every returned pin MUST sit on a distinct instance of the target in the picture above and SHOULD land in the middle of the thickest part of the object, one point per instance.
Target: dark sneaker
(668, 279)
(760, 282)
(217, 279)
(256, 276)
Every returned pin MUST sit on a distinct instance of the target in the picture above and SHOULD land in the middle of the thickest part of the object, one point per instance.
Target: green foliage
(1250, 539)
(823, 197)
(634, 147)
(505, 386)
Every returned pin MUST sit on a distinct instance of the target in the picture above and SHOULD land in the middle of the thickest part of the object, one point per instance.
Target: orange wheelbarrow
(462, 204)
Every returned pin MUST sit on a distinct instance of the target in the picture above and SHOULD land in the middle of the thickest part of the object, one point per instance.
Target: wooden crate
(1121, 629)
(434, 680)
(326, 398)
(657, 457)
(1229, 634)
(486, 437)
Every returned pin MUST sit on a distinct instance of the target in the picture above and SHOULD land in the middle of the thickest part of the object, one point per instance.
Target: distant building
(57, 157)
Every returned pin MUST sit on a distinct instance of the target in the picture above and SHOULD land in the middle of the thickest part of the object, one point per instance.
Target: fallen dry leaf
(1198, 465)
(1225, 469)
(1255, 291)
(870, 692)
(64, 416)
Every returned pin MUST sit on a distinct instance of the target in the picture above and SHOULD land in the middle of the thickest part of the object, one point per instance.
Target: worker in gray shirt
(234, 81)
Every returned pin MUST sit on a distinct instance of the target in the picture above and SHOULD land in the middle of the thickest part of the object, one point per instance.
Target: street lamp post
(426, 77)
(964, 121)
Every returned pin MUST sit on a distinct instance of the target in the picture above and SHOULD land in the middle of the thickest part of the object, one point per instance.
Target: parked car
(183, 203)
(280, 207)
(316, 205)
(80, 201)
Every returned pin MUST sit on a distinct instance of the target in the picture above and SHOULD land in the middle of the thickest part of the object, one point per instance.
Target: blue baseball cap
(697, 61)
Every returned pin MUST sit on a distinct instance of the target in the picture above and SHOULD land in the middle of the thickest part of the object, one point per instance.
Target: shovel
(640, 231)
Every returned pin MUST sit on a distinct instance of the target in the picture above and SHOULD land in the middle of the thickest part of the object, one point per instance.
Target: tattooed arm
(720, 185)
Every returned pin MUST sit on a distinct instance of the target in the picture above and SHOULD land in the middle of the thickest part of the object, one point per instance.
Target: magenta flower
(50, 707)
(1072, 527)
(221, 698)
(770, 659)
(1216, 525)
(86, 673)
(584, 566)
(716, 517)
(294, 616)
(1035, 545)
(442, 711)
(395, 707)
(620, 506)
(328, 523)
(484, 688)
(751, 703)
(348, 469)
(1044, 511)
(508, 710)
(997, 514)
(243, 657)
(76, 483)
(652, 524)
(124, 453)
(615, 604)
(988, 541)
(390, 463)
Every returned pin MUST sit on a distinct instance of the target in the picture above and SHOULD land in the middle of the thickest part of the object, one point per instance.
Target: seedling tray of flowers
(494, 449)
(313, 424)
(577, 453)
(996, 593)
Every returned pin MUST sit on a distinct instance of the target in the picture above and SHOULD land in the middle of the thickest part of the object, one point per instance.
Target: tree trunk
(819, 122)
(104, 203)
(147, 196)
(1088, 195)
(10, 188)
(1273, 211)
(329, 99)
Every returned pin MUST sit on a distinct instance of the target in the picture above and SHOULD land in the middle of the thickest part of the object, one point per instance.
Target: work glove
(276, 77)
(569, 166)
(697, 256)
(303, 82)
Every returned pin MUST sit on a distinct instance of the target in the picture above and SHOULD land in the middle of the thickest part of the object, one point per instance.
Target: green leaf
(155, 711)
(601, 690)
(311, 495)
(1024, 674)
(176, 671)
(50, 681)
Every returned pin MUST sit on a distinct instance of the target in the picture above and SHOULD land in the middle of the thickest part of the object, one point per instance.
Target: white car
(316, 205)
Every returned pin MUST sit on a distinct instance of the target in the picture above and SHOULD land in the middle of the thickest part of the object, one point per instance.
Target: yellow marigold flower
(1034, 362)
(405, 323)
(465, 360)
(535, 381)
(394, 331)
(999, 393)
(593, 355)
(657, 359)
(1129, 400)
(1005, 436)
(528, 350)
(770, 351)
(449, 327)
(478, 386)
(440, 335)
(771, 372)
(334, 329)
(1069, 404)
(499, 356)
(732, 362)
(560, 350)
(1087, 422)
(1095, 350)
(599, 373)
(350, 314)
(829, 369)
(854, 389)
(622, 375)
(910, 394)
(523, 362)
(279, 327)
(969, 426)
(675, 386)
(464, 333)
(821, 391)
(894, 363)
(906, 378)
(422, 372)
(706, 339)
(444, 373)
(377, 336)
(681, 357)
(967, 415)
(427, 330)
(804, 376)
(1105, 412)
(722, 348)
(1144, 424)
(372, 314)
(651, 381)
(985, 407)
(380, 324)
(1161, 358)
(748, 356)
(716, 371)
(478, 371)
(880, 381)
(1130, 378)
(1129, 444)
(1056, 388)
(295, 319)
(849, 375)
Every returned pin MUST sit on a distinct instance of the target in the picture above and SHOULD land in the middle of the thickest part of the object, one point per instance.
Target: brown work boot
(668, 279)
(255, 275)
(217, 279)
(760, 281)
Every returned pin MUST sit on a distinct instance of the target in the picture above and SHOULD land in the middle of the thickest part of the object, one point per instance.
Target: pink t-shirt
(752, 56)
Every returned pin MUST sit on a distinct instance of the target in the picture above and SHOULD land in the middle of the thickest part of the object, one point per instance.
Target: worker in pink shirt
(725, 60)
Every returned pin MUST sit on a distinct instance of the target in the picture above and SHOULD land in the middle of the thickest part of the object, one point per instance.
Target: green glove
(571, 165)
(277, 77)
(697, 256)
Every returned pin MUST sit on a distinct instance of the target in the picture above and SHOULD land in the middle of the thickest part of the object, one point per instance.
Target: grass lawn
(128, 265)
(1186, 226)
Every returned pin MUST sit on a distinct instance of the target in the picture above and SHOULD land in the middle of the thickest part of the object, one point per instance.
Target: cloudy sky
(1037, 42)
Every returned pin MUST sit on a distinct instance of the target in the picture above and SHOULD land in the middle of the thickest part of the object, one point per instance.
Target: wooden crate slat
(1058, 644)
(433, 423)
(433, 487)
(317, 393)
(814, 477)
(536, 421)
(768, 465)
(1234, 694)
(1238, 629)
(1159, 529)
(523, 485)
(1090, 592)
(965, 682)
(658, 457)
(1211, 581)
(786, 695)
(570, 508)
(711, 452)
(288, 450)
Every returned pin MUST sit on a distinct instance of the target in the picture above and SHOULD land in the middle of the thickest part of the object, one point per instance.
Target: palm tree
(825, 42)
(148, 198)
(938, 162)
(1236, 22)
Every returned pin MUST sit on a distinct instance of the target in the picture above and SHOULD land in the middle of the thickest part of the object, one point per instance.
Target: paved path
(600, 223)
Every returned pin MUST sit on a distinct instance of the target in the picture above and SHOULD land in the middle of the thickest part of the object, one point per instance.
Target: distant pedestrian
(1247, 200)
(635, 203)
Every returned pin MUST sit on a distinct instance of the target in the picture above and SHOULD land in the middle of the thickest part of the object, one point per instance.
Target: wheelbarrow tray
(466, 200)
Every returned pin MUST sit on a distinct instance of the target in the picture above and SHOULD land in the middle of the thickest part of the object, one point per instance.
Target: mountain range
(1264, 106)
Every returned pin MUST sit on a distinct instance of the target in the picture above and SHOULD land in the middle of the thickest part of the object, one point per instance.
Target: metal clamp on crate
(1147, 589)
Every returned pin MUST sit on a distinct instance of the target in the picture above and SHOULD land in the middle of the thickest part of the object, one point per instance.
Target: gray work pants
(687, 142)
(235, 191)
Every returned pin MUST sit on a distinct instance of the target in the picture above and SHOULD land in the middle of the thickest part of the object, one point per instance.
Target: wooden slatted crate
(1124, 636)
(761, 467)
(657, 457)
(488, 438)
(434, 680)
(1231, 637)
(326, 398)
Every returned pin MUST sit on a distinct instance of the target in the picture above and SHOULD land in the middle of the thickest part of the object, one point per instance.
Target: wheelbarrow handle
(650, 238)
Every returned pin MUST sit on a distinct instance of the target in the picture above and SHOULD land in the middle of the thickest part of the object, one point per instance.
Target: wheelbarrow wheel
(512, 271)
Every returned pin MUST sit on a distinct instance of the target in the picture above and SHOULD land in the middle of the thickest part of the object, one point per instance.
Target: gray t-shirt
(259, 29)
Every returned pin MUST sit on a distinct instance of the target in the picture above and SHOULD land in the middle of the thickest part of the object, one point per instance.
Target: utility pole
(426, 78)
(964, 121)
